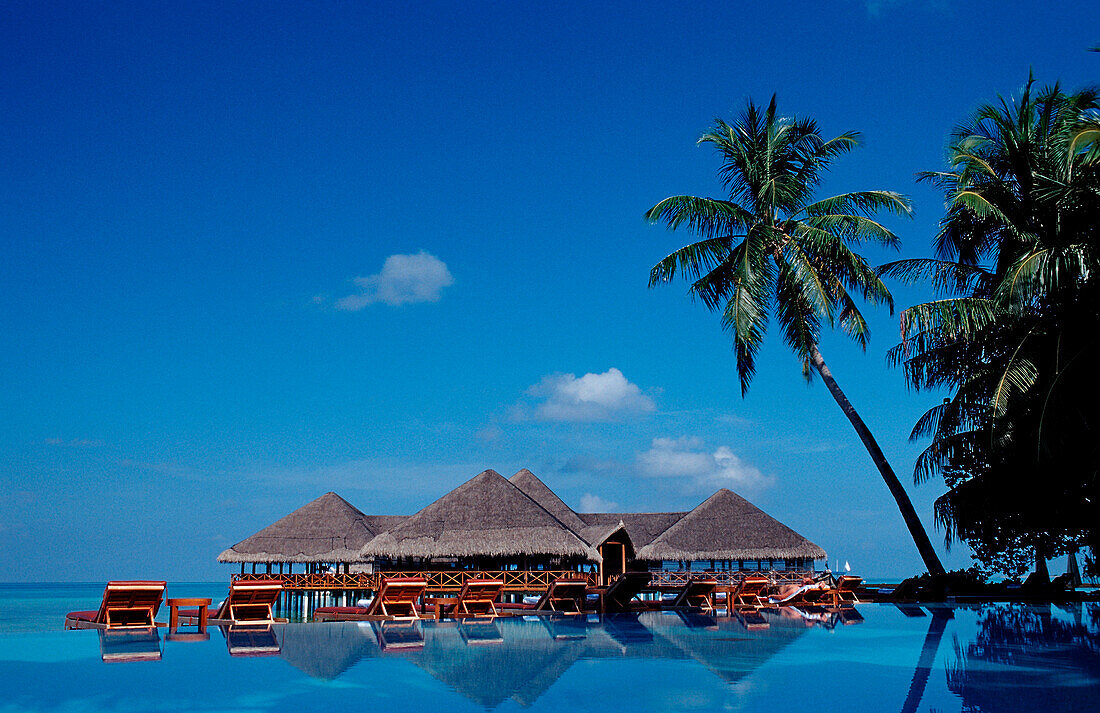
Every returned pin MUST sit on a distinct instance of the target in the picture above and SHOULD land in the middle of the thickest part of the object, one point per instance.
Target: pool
(879, 657)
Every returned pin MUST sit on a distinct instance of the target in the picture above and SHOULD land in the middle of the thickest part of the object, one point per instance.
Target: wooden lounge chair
(749, 594)
(125, 605)
(247, 602)
(846, 588)
(396, 599)
(619, 595)
(567, 594)
(697, 593)
(477, 597)
(807, 595)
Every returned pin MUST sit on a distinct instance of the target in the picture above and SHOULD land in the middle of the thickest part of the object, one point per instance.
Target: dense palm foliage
(770, 250)
(1018, 263)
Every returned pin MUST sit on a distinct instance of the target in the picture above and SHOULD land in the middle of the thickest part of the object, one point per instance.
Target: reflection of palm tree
(927, 658)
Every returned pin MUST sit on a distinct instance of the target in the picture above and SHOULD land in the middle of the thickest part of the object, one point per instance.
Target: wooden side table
(174, 609)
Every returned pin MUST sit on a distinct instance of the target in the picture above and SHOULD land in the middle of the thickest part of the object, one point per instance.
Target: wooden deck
(526, 581)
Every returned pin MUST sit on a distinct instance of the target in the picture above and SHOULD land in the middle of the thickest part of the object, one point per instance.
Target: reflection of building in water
(324, 651)
(526, 658)
(129, 645)
(1023, 654)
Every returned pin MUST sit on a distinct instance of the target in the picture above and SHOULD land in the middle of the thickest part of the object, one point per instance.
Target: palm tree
(1018, 259)
(769, 248)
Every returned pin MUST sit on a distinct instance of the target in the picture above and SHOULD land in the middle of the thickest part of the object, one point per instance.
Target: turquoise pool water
(934, 658)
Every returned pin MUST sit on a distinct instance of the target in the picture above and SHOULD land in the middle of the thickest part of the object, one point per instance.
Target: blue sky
(258, 252)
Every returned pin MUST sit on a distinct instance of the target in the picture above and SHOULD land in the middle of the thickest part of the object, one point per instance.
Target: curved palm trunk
(916, 529)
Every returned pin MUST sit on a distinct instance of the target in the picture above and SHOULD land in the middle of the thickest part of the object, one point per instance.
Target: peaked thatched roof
(486, 516)
(726, 526)
(538, 491)
(329, 529)
(643, 527)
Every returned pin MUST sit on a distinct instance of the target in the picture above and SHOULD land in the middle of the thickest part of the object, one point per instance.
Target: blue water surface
(876, 658)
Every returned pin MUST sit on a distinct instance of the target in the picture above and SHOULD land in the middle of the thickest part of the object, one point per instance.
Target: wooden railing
(438, 580)
(733, 578)
(516, 580)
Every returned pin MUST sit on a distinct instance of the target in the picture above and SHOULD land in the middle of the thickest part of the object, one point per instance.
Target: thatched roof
(538, 491)
(329, 529)
(726, 526)
(485, 516)
(643, 527)
(381, 523)
(596, 535)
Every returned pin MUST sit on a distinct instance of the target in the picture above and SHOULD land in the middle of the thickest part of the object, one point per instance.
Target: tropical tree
(1018, 263)
(770, 250)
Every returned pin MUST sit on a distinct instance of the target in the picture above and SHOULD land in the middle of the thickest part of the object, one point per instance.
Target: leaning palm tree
(769, 249)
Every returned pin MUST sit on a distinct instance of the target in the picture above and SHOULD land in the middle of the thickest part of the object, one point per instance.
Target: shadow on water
(1024, 658)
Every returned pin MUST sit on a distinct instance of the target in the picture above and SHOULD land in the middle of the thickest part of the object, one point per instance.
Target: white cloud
(592, 397)
(404, 279)
(594, 503)
(75, 442)
(686, 457)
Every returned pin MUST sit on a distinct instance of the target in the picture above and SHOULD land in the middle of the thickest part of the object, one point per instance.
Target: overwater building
(490, 523)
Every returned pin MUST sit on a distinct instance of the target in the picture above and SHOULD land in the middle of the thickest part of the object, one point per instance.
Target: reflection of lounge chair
(476, 598)
(396, 599)
(125, 605)
(749, 593)
(620, 593)
(697, 593)
(752, 619)
(816, 616)
(696, 620)
(849, 615)
(398, 635)
(912, 611)
(251, 640)
(250, 602)
(128, 645)
(846, 587)
(566, 627)
(476, 631)
(627, 629)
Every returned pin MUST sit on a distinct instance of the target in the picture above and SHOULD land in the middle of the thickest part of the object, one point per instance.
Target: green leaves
(1018, 261)
(769, 249)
